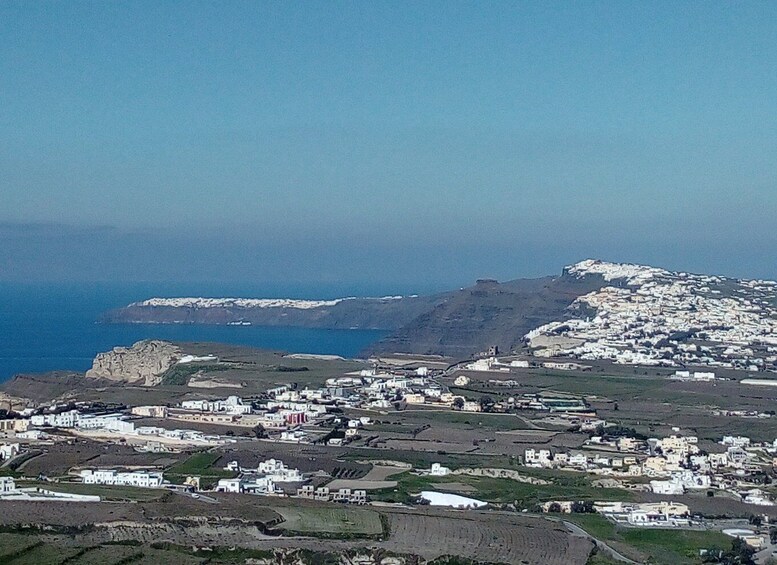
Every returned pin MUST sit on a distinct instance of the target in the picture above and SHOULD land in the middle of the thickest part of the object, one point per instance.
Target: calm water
(45, 327)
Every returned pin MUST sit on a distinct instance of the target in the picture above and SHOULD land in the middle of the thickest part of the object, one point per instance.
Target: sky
(414, 143)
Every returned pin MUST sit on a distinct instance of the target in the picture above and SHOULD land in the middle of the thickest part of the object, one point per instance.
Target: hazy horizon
(384, 143)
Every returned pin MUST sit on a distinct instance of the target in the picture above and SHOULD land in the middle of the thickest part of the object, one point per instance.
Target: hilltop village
(648, 316)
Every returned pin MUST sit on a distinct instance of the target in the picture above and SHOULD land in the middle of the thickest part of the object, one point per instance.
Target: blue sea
(46, 327)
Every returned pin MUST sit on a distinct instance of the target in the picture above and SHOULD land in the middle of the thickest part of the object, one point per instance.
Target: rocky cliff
(387, 313)
(144, 363)
(487, 314)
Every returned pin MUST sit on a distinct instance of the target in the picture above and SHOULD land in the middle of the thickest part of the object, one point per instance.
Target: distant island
(594, 310)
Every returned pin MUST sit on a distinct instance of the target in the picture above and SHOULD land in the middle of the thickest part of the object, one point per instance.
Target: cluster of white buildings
(263, 479)
(675, 464)
(75, 419)
(231, 405)
(651, 316)
(351, 496)
(658, 514)
(117, 424)
(268, 475)
(695, 376)
(368, 388)
(275, 469)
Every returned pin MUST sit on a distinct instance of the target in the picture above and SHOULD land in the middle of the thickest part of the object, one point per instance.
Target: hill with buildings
(595, 310)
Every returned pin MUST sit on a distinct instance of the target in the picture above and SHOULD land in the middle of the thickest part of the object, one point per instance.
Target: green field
(653, 546)
(330, 521)
(475, 419)
(198, 465)
(180, 374)
(503, 491)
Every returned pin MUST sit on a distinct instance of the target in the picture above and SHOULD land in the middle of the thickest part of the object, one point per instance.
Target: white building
(278, 472)
(229, 485)
(61, 420)
(537, 458)
(257, 485)
(413, 398)
(672, 486)
(736, 441)
(9, 450)
(471, 406)
(144, 479)
(439, 471)
(109, 422)
(150, 411)
(7, 484)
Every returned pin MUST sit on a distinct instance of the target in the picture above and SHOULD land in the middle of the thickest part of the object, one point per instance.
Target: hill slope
(488, 314)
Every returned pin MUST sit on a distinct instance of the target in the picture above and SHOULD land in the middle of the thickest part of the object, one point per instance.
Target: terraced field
(490, 538)
(330, 521)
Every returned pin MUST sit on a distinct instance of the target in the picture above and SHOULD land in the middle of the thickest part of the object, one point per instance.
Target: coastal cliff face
(144, 363)
(387, 313)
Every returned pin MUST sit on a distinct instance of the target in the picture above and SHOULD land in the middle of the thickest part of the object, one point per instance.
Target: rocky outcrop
(144, 363)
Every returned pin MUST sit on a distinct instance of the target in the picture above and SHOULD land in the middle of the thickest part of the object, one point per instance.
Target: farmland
(389, 456)
(502, 491)
(330, 521)
(654, 546)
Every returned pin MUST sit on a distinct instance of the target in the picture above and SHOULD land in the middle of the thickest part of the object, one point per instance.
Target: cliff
(144, 363)
(458, 323)
(386, 313)
(488, 314)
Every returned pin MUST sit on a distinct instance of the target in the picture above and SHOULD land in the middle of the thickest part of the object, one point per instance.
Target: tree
(486, 403)
(259, 431)
(554, 507)
(712, 555)
(755, 521)
(739, 554)
(458, 403)
(584, 507)
(773, 535)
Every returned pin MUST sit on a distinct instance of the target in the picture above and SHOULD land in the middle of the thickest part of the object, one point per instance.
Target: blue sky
(432, 142)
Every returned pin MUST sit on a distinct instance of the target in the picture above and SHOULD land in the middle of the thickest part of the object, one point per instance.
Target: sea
(48, 326)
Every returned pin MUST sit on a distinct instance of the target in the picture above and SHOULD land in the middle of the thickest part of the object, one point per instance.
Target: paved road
(766, 553)
(197, 496)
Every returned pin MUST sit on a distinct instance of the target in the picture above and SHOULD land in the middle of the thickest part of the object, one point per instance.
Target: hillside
(488, 314)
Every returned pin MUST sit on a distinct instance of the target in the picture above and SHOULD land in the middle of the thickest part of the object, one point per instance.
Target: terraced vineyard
(489, 538)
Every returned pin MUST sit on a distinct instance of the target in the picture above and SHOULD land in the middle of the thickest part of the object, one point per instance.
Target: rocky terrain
(487, 314)
(143, 363)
